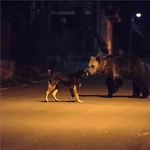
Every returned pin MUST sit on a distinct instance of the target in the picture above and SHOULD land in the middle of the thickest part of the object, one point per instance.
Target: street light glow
(138, 15)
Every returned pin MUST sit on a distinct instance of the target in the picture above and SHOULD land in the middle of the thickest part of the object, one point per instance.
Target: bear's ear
(105, 63)
(98, 58)
(92, 57)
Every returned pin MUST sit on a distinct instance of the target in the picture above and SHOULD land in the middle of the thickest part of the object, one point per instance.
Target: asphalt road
(118, 123)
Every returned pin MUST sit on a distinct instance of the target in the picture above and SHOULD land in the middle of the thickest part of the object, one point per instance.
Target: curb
(7, 88)
(23, 85)
(36, 82)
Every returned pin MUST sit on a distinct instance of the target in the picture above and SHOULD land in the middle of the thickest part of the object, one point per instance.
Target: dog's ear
(92, 57)
(49, 71)
(82, 70)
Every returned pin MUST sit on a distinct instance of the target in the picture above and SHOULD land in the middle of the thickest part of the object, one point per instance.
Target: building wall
(7, 66)
(109, 36)
(106, 33)
(5, 40)
(7, 69)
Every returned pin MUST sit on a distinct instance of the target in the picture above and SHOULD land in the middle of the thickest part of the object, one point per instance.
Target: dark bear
(122, 67)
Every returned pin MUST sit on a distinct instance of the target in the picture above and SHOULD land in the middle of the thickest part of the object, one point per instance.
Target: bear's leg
(119, 82)
(136, 90)
(142, 86)
(145, 91)
(111, 87)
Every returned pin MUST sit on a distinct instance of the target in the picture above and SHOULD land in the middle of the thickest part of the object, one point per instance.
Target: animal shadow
(92, 95)
(50, 101)
(104, 96)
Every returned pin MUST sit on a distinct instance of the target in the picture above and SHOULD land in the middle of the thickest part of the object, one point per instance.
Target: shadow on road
(104, 96)
(56, 101)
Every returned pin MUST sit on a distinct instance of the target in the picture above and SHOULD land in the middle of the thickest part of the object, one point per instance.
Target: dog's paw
(57, 100)
(70, 97)
(80, 101)
(46, 100)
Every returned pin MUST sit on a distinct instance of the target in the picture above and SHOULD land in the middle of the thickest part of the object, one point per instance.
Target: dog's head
(82, 73)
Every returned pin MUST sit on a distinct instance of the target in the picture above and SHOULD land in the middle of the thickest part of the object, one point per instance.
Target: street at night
(65, 41)
(118, 123)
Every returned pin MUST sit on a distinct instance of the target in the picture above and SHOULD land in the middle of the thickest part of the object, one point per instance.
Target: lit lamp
(138, 15)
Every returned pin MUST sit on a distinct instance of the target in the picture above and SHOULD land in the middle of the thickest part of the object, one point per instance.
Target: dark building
(43, 33)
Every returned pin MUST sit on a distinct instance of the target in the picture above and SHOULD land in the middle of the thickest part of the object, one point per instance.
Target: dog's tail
(49, 72)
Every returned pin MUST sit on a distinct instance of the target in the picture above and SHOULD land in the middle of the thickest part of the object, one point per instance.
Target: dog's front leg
(54, 95)
(76, 94)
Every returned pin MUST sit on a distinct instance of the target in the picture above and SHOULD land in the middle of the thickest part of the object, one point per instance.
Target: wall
(5, 40)
(106, 33)
(7, 69)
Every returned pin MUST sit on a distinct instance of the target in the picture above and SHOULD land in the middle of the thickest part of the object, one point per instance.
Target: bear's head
(97, 64)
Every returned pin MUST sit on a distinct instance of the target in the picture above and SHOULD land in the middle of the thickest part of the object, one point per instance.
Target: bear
(118, 68)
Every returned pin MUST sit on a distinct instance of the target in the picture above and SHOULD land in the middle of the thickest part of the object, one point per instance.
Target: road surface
(118, 123)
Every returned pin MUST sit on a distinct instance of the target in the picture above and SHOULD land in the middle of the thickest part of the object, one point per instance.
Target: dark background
(32, 40)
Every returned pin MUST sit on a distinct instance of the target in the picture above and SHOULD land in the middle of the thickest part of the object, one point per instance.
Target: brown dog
(73, 80)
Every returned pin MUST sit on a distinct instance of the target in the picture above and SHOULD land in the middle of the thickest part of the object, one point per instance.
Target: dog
(72, 80)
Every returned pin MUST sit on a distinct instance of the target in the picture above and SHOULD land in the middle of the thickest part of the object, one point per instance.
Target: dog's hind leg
(78, 86)
(76, 94)
(54, 93)
(50, 88)
(71, 92)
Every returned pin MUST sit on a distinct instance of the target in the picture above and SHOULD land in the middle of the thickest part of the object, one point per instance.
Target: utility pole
(97, 27)
(131, 35)
(49, 43)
